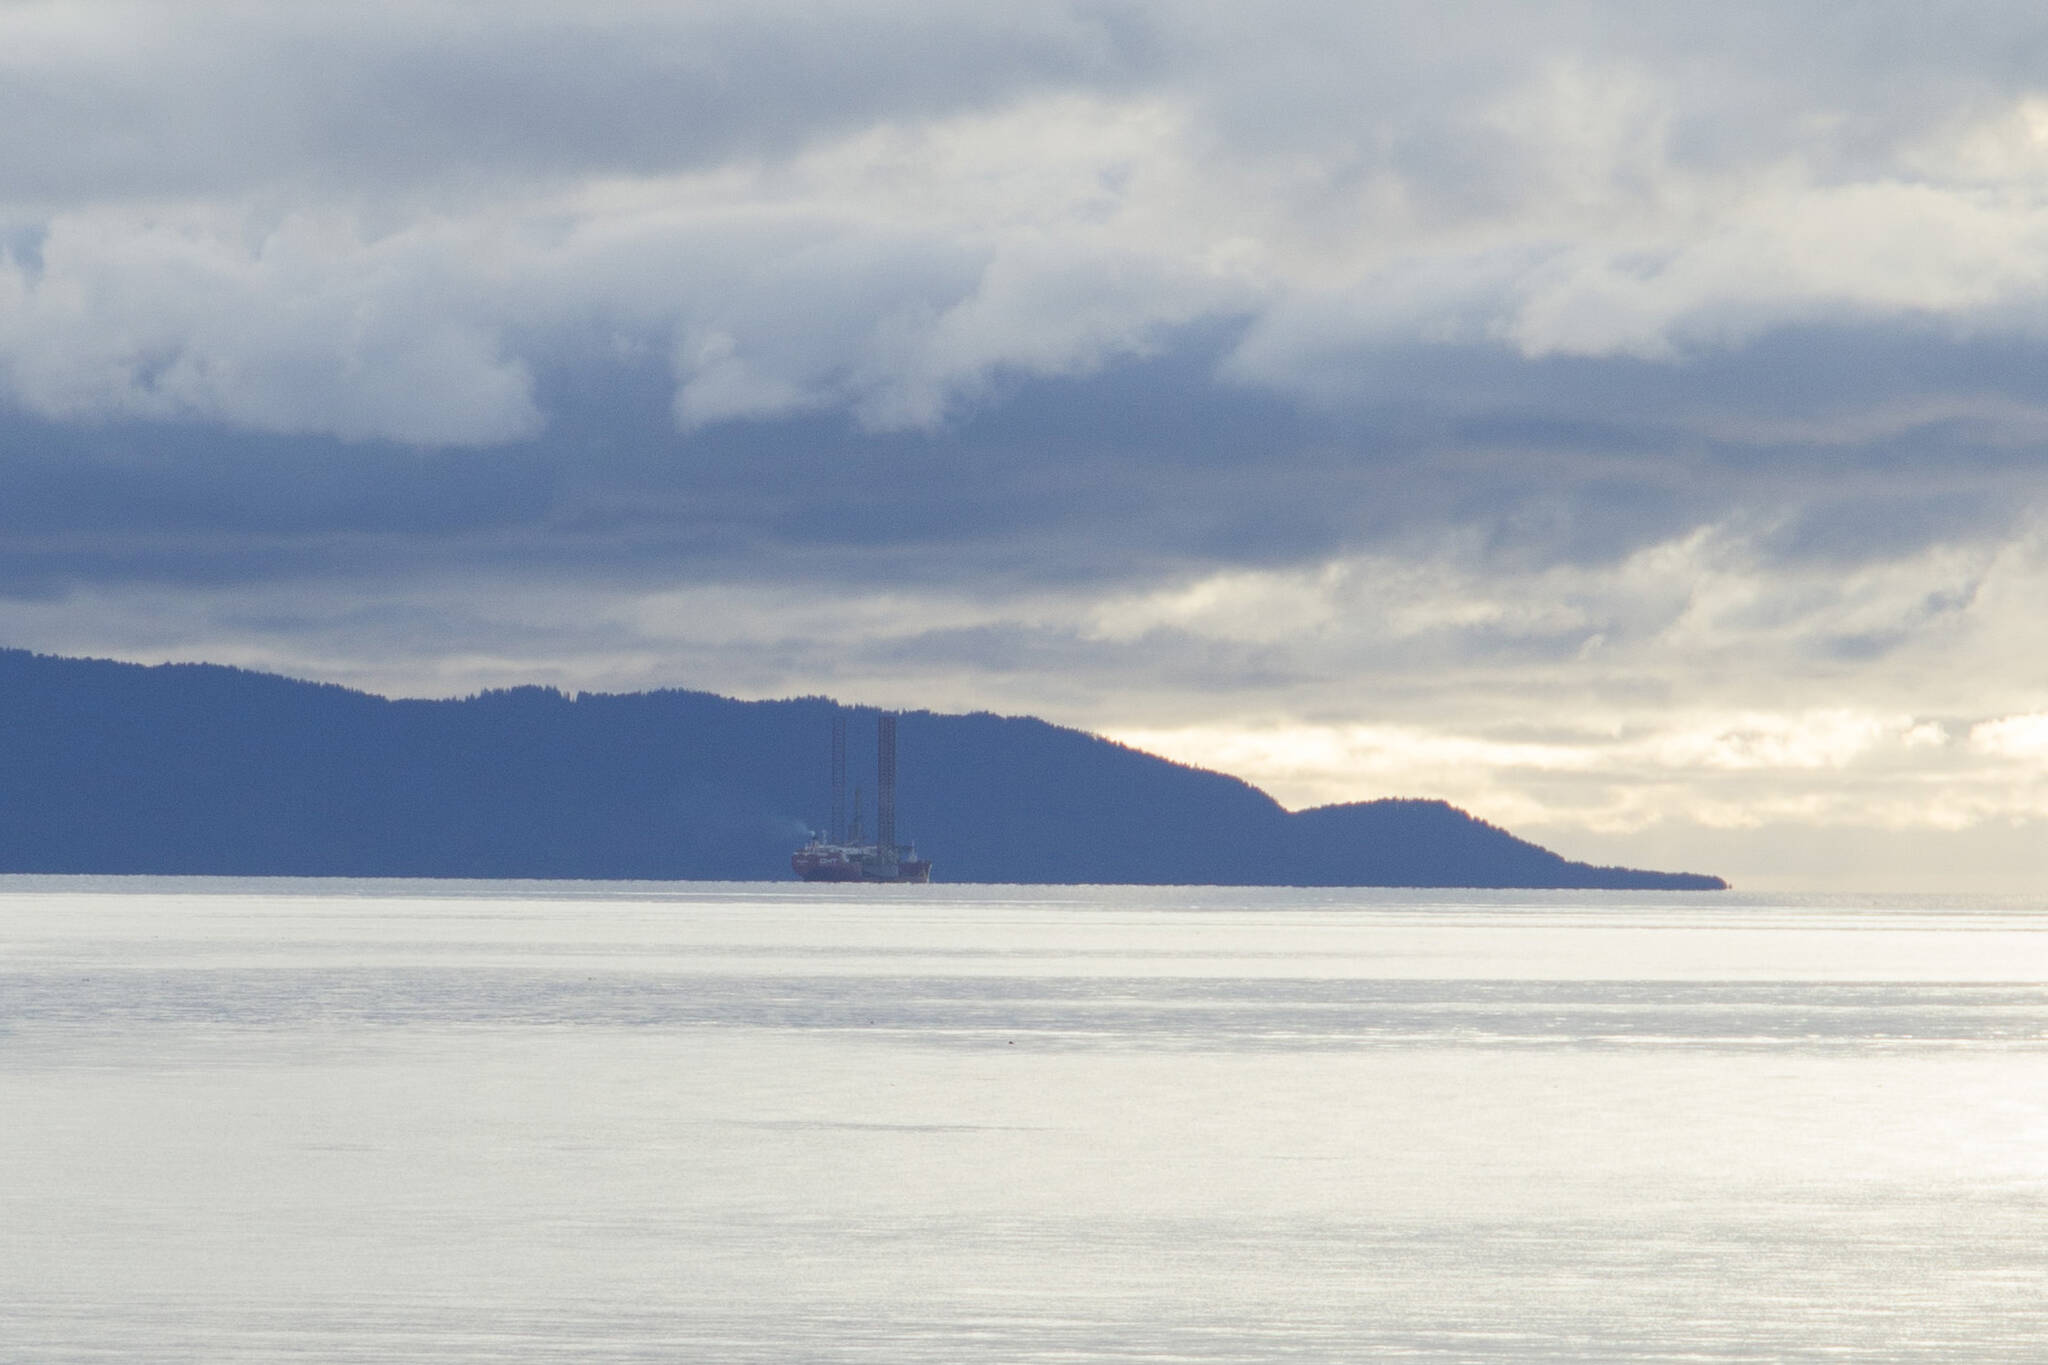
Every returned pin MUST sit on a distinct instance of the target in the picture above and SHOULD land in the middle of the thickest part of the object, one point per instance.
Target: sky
(1629, 423)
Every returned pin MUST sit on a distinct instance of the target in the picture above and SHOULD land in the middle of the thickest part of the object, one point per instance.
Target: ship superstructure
(840, 854)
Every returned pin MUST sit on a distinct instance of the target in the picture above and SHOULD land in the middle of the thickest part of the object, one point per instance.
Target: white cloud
(886, 275)
(181, 313)
(1533, 180)
(2016, 737)
(1809, 254)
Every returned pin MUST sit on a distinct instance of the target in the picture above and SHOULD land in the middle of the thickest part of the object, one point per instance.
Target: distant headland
(200, 769)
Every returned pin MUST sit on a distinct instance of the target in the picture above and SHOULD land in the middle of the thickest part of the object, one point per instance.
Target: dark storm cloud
(1148, 468)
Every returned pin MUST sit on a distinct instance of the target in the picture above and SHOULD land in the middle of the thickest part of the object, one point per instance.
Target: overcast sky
(1629, 422)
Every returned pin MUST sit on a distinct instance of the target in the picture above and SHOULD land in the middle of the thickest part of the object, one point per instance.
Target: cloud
(439, 98)
(175, 316)
(300, 220)
(1594, 412)
(2017, 737)
(854, 278)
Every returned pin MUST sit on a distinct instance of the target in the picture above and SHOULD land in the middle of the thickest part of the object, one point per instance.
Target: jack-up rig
(840, 854)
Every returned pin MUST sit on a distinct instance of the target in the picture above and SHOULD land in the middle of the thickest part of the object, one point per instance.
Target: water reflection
(245, 1122)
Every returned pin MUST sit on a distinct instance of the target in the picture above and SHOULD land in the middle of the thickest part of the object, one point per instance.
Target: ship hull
(812, 873)
(837, 863)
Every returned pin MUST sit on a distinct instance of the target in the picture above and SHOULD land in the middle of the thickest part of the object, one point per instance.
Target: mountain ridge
(110, 767)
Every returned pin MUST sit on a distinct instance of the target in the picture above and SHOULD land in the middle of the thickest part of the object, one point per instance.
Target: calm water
(248, 1121)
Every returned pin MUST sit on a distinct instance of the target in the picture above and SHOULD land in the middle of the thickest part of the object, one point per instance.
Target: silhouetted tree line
(194, 768)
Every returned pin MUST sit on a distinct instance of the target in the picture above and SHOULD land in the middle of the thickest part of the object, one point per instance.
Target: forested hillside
(194, 768)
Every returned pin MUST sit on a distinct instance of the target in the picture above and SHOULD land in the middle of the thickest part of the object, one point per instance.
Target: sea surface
(357, 1121)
